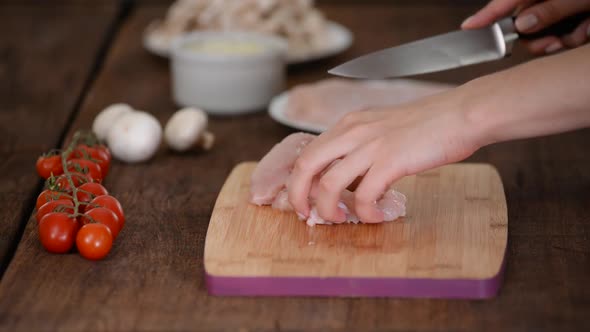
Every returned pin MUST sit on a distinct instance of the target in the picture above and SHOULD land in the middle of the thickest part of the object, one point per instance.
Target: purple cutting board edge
(356, 287)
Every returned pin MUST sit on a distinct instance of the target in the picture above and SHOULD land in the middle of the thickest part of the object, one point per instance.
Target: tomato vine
(74, 181)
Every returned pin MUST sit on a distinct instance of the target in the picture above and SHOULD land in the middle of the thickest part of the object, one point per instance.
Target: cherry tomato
(110, 203)
(60, 205)
(87, 192)
(97, 155)
(63, 184)
(105, 150)
(47, 166)
(87, 167)
(103, 216)
(94, 241)
(57, 231)
(50, 195)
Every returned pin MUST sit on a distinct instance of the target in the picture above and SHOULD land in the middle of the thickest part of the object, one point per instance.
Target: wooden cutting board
(451, 244)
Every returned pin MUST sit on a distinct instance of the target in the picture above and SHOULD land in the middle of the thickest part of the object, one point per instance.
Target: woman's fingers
(546, 13)
(322, 151)
(311, 161)
(493, 11)
(553, 44)
(535, 16)
(375, 182)
(300, 180)
(579, 36)
(337, 179)
(545, 45)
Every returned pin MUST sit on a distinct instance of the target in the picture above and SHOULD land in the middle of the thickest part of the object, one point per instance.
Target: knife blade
(450, 50)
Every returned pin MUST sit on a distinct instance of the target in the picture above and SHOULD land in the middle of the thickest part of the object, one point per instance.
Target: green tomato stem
(64, 161)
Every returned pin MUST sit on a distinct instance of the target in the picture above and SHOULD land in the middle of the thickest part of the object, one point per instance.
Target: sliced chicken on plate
(327, 101)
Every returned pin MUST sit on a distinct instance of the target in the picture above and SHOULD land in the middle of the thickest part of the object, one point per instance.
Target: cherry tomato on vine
(57, 232)
(49, 165)
(105, 150)
(87, 167)
(88, 191)
(48, 195)
(103, 216)
(62, 183)
(60, 205)
(110, 203)
(97, 155)
(94, 241)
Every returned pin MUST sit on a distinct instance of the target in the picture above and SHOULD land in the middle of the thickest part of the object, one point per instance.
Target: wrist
(480, 120)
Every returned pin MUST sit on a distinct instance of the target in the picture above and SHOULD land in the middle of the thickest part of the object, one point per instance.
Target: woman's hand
(381, 146)
(533, 16)
(545, 96)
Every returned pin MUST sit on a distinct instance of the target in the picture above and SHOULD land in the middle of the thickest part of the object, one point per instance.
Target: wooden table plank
(60, 3)
(44, 64)
(153, 278)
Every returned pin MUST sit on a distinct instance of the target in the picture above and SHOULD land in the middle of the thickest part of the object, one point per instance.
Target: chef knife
(450, 50)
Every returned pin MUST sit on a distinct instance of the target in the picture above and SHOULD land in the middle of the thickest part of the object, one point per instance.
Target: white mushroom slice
(294, 20)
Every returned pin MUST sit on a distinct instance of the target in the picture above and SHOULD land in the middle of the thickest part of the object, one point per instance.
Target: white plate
(278, 108)
(278, 105)
(340, 39)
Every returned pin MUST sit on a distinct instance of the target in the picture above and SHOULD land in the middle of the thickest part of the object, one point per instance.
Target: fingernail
(552, 48)
(526, 22)
(467, 21)
(301, 216)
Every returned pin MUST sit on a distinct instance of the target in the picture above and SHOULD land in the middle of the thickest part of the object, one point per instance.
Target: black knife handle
(558, 29)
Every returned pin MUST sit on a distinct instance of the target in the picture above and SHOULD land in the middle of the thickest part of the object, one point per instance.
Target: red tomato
(94, 241)
(47, 166)
(97, 155)
(86, 167)
(110, 203)
(50, 195)
(63, 184)
(103, 216)
(57, 231)
(60, 205)
(105, 150)
(87, 191)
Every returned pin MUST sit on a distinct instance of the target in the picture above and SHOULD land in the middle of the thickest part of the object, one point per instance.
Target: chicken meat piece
(271, 177)
(327, 101)
(271, 174)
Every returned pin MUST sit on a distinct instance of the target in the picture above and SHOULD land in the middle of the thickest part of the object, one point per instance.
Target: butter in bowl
(227, 72)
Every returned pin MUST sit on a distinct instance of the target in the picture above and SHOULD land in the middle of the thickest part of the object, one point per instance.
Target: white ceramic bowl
(227, 82)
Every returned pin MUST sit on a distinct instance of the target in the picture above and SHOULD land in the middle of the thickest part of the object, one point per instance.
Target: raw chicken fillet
(327, 101)
(270, 179)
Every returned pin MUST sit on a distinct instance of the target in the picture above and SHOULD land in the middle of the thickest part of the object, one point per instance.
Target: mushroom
(187, 128)
(135, 137)
(107, 117)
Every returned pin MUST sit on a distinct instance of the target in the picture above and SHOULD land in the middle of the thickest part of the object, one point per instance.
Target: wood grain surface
(44, 64)
(153, 278)
(455, 228)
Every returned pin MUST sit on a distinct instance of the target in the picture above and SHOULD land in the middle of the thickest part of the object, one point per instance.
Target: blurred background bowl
(227, 73)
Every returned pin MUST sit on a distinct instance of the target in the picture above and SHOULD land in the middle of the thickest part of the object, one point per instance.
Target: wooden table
(63, 61)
